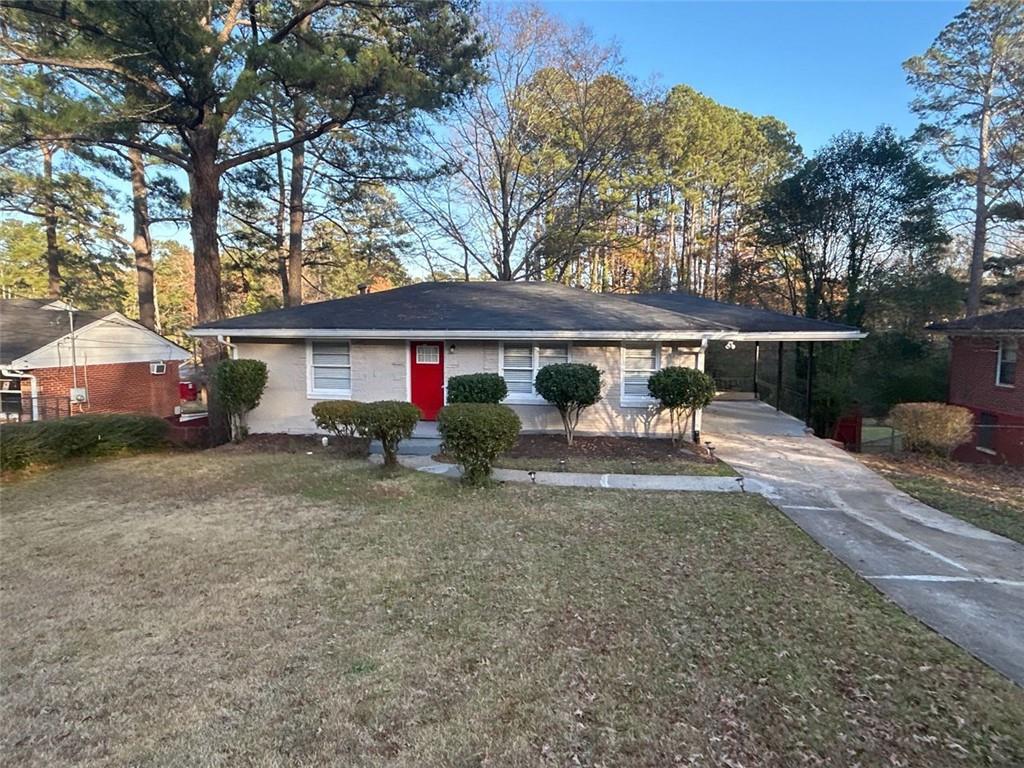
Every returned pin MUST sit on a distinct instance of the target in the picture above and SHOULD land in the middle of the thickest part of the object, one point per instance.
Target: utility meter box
(78, 395)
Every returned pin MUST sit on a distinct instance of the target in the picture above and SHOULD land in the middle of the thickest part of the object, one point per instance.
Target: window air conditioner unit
(78, 395)
(157, 368)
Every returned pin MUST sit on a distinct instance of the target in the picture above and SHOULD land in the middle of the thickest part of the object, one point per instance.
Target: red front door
(426, 379)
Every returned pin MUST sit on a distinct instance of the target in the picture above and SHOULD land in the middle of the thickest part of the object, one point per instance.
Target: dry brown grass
(243, 609)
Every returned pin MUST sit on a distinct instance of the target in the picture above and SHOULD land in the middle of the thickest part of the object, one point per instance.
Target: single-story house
(984, 376)
(57, 361)
(404, 344)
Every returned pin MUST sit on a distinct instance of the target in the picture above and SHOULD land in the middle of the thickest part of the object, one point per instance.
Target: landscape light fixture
(533, 476)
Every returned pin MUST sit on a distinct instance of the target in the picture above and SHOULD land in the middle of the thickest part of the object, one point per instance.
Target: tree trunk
(980, 213)
(142, 244)
(50, 221)
(279, 251)
(296, 219)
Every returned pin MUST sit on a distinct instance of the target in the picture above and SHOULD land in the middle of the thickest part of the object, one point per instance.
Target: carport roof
(492, 310)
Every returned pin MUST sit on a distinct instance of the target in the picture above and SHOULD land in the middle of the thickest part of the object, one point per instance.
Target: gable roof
(498, 310)
(27, 324)
(1008, 321)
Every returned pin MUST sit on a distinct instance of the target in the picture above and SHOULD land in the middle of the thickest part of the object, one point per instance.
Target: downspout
(32, 383)
(226, 341)
(698, 414)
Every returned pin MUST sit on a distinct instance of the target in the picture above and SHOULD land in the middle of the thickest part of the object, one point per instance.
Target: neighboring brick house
(57, 362)
(985, 376)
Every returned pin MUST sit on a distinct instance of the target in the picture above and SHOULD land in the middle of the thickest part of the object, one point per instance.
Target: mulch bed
(554, 447)
(345, 447)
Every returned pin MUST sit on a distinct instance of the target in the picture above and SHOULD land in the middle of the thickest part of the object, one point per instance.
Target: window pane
(428, 354)
(986, 430)
(635, 385)
(518, 357)
(644, 359)
(330, 354)
(549, 355)
(331, 378)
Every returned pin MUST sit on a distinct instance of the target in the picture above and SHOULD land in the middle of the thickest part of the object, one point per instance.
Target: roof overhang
(420, 333)
(987, 332)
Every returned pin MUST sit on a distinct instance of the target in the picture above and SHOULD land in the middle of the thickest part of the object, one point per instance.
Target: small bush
(932, 427)
(389, 421)
(88, 435)
(475, 434)
(238, 387)
(571, 388)
(336, 416)
(681, 391)
(477, 388)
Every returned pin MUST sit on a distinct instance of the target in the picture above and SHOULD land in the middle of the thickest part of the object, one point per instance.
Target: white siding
(114, 339)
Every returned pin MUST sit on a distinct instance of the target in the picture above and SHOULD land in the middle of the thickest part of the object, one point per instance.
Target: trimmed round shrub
(238, 386)
(88, 435)
(390, 421)
(336, 416)
(571, 388)
(474, 434)
(477, 388)
(681, 391)
(932, 427)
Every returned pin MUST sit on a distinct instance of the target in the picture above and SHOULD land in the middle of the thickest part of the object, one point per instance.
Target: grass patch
(240, 608)
(990, 497)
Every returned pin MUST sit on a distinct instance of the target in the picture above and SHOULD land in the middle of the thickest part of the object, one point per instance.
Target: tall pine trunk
(50, 223)
(980, 212)
(142, 244)
(296, 221)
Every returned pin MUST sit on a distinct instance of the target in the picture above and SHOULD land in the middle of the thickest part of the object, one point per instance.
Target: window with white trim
(428, 354)
(330, 368)
(1006, 363)
(639, 361)
(520, 363)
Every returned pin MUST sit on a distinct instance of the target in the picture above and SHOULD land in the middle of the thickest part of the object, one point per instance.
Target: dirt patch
(554, 447)
(988, 482)
(347, 447)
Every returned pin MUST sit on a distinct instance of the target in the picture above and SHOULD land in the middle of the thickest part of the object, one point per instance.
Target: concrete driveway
(965, 583)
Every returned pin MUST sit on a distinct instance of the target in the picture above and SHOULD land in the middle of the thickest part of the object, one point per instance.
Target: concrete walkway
(964, 582)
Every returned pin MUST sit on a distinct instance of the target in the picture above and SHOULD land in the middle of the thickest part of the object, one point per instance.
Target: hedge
(477, 388)
(88, 435)
(238, 387)
(336, 416)
(681, 391)
(571, 388)
(932, 427)
(474, 434)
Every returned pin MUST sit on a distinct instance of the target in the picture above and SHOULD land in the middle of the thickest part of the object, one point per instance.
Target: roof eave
(416, 333)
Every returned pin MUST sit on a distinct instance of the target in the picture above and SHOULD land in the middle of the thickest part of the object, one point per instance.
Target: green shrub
(477, 388)
(238, 387)
(571, 388)
(932, 427)
(681, 391)
(88, 435)
(474, 434)
(389, 421)
(336, 416)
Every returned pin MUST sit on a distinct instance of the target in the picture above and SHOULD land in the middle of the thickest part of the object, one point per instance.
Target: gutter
(11, 373)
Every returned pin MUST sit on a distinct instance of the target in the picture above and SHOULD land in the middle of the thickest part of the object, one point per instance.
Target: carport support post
(778, 380)
(810, 382)
(757, 361)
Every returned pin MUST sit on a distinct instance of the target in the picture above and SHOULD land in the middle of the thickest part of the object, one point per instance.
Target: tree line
(311, 145)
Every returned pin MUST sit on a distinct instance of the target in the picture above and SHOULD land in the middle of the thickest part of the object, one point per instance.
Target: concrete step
(414, 446)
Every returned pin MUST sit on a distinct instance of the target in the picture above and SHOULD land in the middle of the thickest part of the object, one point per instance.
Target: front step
(414, 446)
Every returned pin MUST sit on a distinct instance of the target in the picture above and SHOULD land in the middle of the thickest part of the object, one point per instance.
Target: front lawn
(990, 497)
(240, 608)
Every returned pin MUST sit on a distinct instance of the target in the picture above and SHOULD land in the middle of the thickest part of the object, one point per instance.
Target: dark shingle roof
(743, 319)
(520, 306)
(25, 326)
(1009, 320)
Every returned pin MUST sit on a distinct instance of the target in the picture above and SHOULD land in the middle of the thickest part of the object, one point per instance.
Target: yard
(988, 496)
(241, 608)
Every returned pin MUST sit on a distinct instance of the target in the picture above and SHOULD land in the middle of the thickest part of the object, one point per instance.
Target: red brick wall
(114, 388)
(972, 383)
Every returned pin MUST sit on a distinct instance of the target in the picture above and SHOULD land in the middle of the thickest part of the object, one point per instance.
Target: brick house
(56, 362)
(985, 377)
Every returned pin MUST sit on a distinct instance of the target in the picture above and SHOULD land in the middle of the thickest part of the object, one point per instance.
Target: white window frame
(423, 345)
(533, 398)
(632, 401)
(320, 394)
(1003, 343)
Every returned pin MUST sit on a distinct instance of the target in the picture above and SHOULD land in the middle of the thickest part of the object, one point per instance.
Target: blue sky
(822, 67)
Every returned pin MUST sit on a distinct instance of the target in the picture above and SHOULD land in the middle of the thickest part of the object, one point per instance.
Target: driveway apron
(964, 582)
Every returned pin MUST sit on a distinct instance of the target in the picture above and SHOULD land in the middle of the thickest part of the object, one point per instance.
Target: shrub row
(477, 388)
(50, 442)
(389, 421)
